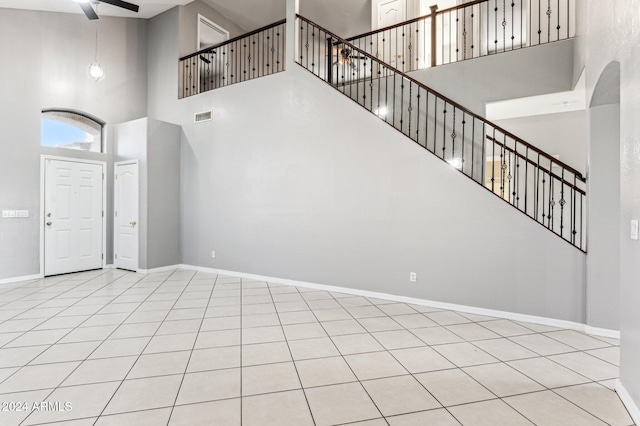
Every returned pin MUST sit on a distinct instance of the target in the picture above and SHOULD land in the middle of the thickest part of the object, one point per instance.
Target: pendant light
(95, 70)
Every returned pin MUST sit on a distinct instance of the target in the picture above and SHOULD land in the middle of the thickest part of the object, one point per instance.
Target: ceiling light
(95, 70)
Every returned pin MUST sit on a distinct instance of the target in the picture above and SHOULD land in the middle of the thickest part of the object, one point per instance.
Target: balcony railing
(544, 188)
(252, 55)
(474, 29)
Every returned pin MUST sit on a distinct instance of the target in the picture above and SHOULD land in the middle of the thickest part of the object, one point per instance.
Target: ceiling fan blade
(88, 10)
(123, 4)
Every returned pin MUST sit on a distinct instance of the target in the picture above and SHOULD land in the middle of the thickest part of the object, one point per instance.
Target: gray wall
(318, 190)
(163, 149)
(603, 267)
(344, 18)
(564, 134)
(526, 72)
(609, 32)
(43, 67)
(156, 146)
(189, 25)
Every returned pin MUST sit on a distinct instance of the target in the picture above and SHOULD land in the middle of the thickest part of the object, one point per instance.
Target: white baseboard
(163, 269)
(403, 299)
(628, 402)
(20, 279)
(602, 332)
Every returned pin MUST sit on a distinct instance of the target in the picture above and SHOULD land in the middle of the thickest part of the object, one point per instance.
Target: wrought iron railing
(470, 30)
(252, 55)
(541, 186)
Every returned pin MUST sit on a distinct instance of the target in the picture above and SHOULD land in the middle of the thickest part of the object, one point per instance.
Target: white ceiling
(148, 8)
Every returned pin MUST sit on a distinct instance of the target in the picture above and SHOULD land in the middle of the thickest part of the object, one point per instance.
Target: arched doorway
(603, 259)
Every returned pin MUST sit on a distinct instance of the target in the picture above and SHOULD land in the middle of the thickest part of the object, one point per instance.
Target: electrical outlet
(213, 254)
(412, 277)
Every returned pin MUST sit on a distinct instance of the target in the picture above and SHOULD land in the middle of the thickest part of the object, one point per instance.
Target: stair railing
(256, 54)
(539, 185)
(471, 30)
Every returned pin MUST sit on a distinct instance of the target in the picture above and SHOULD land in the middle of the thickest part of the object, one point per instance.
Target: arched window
(70, 129)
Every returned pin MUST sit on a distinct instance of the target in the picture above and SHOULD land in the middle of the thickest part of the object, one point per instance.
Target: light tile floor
(187, 348)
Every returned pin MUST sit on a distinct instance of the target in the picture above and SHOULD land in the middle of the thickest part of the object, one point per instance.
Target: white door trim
(43, 159)
(115, 194)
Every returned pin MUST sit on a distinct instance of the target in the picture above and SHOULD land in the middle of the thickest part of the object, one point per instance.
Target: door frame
(43, 161)
(115, 195)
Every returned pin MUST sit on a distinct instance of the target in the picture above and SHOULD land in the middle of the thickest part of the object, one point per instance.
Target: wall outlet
(412, 277)
(213, 254)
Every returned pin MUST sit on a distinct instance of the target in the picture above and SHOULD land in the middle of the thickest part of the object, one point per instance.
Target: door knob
(48, 223)
(133, 223)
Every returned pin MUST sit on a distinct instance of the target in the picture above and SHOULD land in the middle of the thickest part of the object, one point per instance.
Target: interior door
(73, 220)
(392, 12)
(125, 223)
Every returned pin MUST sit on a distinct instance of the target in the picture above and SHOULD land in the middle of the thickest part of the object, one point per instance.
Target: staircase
(547, 190)
(371, 70)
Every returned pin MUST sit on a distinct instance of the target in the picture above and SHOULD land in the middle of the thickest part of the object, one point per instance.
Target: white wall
(44, 58)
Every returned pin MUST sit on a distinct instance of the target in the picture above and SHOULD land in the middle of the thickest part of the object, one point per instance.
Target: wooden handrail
(419, 18)
(447, 100)
(240, 37)
(550, 173)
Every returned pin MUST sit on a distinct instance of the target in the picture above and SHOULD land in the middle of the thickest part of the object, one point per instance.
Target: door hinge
(103, 176)
(116, 255)
(102, 213)
(102, 256)
(116, 214)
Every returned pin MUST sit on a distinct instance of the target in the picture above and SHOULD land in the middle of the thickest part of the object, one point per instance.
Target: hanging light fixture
(95, 70)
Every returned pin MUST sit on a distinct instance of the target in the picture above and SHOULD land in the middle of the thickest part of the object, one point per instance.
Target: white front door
(73, 216)
(125, 222)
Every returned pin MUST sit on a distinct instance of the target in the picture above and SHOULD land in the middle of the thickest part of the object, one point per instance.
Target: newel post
(433, 34)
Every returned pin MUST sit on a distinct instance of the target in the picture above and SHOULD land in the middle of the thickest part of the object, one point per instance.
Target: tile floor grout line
(125, 296)
(186, 367)
(50, 345)
(143, 349)
(578, 406)
(44, 319)
(295, 366)
(345, 360)
(80, 283)
(79, 363)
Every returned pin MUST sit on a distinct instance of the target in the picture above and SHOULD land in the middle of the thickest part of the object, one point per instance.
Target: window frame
(82, 114)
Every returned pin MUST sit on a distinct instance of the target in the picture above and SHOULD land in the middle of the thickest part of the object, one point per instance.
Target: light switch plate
(22, 213)
(634, 229)
(8, 213)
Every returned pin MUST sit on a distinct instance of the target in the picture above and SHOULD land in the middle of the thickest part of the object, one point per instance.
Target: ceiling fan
(88, 10)
(345, 56)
